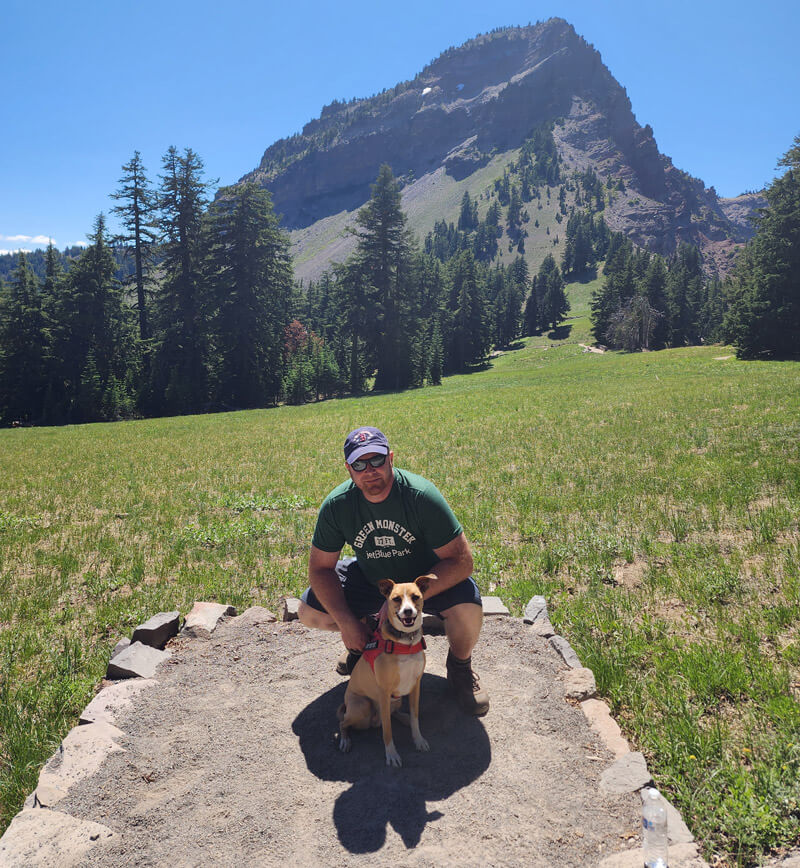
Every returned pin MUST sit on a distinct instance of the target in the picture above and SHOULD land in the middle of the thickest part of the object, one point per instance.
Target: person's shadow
(459, 754)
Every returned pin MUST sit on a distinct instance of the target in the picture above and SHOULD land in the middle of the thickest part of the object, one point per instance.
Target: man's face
(375, 483)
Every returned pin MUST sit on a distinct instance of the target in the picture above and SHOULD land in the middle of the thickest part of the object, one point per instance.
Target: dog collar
(379, 645)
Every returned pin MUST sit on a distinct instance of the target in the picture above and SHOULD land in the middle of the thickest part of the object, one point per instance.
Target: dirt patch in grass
(630, 575)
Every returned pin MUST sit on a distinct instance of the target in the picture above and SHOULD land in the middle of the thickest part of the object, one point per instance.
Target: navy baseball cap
(362, 441)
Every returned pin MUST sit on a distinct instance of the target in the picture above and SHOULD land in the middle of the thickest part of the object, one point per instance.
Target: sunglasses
(361, 463)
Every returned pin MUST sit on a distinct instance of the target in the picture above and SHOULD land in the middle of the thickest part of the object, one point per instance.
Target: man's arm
(454, 565)
(328, 589)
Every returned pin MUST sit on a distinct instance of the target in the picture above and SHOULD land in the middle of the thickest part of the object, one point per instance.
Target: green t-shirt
(393, 539)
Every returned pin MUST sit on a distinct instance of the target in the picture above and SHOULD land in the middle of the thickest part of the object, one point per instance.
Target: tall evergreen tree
(250, 287)
(22, 347)
(137, 214)
(93, 337)
(180, 382)
(554, 304)
(384, 247)
(764, 314)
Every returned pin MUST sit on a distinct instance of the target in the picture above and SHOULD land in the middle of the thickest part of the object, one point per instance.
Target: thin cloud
(18, 250)
(26, 239)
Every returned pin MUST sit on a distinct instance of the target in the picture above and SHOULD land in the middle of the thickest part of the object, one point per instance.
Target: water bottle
(654, 829)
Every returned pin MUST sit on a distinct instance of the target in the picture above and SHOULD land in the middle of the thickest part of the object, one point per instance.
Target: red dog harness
(379, 645)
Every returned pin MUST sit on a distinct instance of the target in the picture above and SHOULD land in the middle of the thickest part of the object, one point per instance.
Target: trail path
(230, 759)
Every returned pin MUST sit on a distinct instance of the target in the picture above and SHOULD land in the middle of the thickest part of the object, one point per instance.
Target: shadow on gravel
(459, 754)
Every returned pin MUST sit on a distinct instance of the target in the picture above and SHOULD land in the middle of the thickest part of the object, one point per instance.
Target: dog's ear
(422, 582)
(385, 587)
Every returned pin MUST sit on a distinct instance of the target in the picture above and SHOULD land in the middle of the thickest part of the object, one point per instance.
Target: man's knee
(464, 618)
(311, 617)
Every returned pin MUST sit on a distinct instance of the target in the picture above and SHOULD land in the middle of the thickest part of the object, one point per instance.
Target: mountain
(459, 125)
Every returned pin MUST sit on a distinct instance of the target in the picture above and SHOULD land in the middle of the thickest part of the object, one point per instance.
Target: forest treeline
(205, 313)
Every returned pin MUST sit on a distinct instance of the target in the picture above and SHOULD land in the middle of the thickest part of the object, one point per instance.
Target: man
(400, 527)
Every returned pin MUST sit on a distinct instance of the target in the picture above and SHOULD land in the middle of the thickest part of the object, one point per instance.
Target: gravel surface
(231, 759)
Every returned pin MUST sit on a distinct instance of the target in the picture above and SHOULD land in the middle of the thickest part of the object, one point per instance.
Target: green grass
(652, 498)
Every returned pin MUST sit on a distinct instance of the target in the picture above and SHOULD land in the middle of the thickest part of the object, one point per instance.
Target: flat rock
(580, 684)
(120, 646)
(203, 619)
(136, 661)
(255, 616)
(113, 699)
(600, 720)
(290, 607)
(494, 606)
(543, 628)
(39, 837)
(158, 630)
(626, 775)
(536, 610)
(80, 755)
(680, 856)
(566, 652)
(677, 831)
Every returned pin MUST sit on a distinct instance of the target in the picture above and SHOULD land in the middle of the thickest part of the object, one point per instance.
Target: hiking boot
(347, 662)
(465, 685)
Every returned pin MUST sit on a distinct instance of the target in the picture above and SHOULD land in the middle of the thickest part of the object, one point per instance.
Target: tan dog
(374, 690)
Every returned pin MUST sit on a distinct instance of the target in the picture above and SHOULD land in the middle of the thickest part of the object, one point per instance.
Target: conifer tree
(764, 314)
(22, 346)
(180, 382)
(137, 213)
(384, 247)
(554, 304)
(250, 286)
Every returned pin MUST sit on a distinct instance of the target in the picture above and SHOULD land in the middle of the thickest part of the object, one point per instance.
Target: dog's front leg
(413, 707)
(392, 756)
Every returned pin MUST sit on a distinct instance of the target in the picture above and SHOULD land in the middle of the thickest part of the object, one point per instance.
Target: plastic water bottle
(654, 829)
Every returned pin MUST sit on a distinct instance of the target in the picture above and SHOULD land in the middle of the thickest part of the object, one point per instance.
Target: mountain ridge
(481, 100)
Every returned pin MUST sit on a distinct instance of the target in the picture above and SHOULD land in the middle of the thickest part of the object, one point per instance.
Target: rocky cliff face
(485, 98)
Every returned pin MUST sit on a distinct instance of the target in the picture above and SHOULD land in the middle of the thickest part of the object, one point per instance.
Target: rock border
(40, 834)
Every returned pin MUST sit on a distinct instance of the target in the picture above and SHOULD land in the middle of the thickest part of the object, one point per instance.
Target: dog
(398, 661)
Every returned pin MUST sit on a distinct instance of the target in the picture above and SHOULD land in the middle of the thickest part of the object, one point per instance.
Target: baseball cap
(364, 440)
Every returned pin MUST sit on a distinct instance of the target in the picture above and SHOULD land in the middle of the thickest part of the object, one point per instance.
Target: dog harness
(379, 645)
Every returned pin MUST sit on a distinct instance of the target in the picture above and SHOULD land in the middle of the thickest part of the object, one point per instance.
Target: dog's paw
(421, 744)
(345, 744)
(393, 757)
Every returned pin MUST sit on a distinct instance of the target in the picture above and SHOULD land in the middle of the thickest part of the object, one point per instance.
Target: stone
(600, 721)
(626, 775)
(255, 616)
(47, 795)
(536, 610)
(543, 628)
(494, 606)
(680, 856)
(290, 607)
(580, 684)
(201, 622)
(37, 837)
(677, 831)
(136, 661)
(79, 756)
(120, 646)
(565, 651)
(158, 630)
(113, 699)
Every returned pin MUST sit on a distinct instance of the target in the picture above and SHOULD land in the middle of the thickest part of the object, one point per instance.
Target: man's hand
(355, 635)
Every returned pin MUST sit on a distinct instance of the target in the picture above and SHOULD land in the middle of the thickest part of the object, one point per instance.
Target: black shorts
(364, 598)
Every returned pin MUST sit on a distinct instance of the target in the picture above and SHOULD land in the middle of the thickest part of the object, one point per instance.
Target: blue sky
(85, 84)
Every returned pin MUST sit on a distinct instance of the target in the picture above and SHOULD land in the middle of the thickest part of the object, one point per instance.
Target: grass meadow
(653, 499)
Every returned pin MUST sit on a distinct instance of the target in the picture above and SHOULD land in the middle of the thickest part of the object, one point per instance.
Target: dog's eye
(415, 598)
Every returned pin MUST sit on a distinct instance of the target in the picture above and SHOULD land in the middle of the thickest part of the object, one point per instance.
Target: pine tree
(249, 282)
(384, 247)
(22, 347)
(180, 381)
(554, 304)
(764, 314)
(137, 214)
